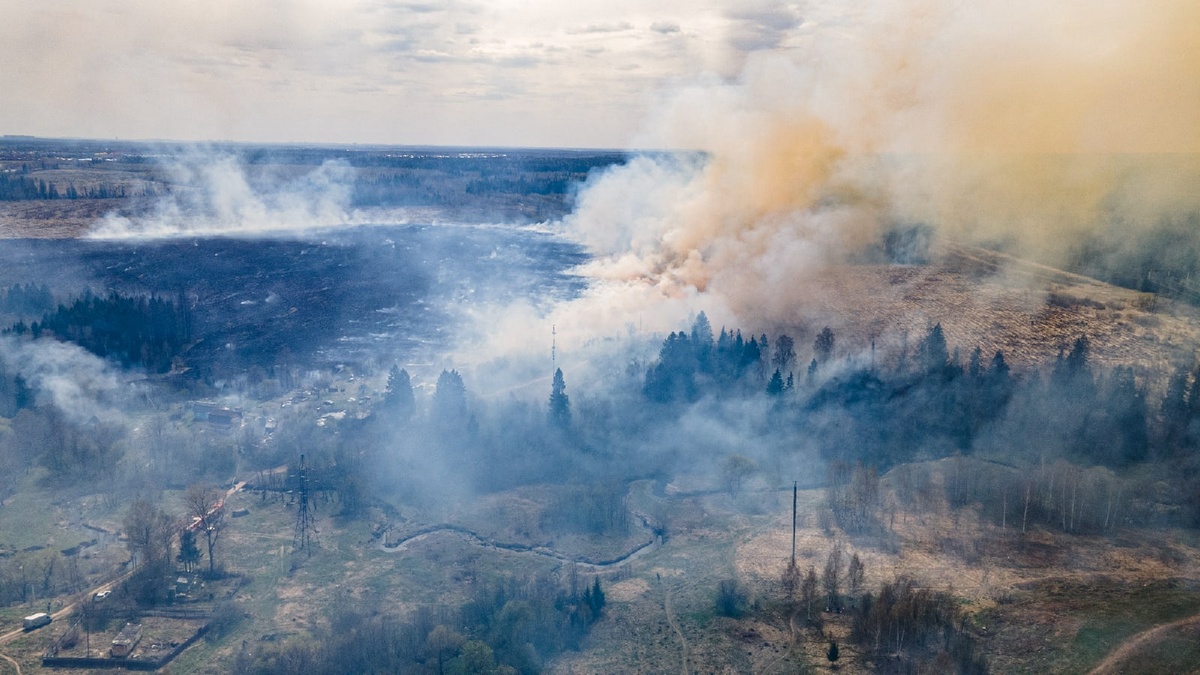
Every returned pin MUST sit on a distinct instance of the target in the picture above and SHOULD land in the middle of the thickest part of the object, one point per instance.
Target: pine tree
(933, 350)
(823, 345)
(785, 352)
(775, 386)
(597, 599)
(560, 403)
(1175, 409)
(450, 399)
(399, 395)
(975, 365)
(189, 553)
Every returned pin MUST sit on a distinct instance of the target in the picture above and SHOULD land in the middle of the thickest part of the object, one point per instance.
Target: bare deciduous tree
(855, 574)
(808, 592)
(831, 577)
(150, 531)
(204, 504)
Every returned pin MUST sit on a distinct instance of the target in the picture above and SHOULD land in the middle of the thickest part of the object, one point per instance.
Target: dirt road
(1113, 661)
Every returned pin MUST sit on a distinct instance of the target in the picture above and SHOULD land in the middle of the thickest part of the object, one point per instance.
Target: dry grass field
(996, 302)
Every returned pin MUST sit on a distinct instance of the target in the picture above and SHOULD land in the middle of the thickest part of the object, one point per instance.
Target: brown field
(996, 302)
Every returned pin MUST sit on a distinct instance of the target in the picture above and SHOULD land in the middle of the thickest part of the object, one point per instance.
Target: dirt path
(675, 626)
(1113, 661)
(12, 661)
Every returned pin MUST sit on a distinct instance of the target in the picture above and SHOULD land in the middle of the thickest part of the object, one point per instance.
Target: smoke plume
(213, 195)
(1016, 123)
(80, 385)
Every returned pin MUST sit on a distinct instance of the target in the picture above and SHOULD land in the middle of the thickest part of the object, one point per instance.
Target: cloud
(762, 25)
(617, 27)
(356, 71)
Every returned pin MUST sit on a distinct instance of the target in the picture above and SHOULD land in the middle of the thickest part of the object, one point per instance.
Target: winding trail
(1126, 649)
(12, 661)
(544, 551)
(675, 626)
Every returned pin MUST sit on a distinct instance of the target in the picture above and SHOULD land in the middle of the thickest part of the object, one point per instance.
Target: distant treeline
(17, 187)
(131, 330)
(933, 403)
(1163, 258)
(26, 299)
(434, 178)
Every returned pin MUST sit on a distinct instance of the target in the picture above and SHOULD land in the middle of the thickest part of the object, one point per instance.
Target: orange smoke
(1012, 122)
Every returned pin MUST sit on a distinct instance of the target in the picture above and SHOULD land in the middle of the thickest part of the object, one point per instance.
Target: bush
(731, 600)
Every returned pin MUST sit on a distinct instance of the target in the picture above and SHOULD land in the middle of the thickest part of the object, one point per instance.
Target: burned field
(334, 296)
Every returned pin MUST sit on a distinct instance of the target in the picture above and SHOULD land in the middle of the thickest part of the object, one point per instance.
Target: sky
(549, 73)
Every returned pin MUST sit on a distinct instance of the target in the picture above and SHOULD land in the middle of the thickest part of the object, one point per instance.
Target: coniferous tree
(1193, 405)
(933, 350)
(702, 342)
(1175, 410)
(399, 398)
(450, 399)
(775, 387)
(560, 404)
(975, 364)
(189, 554)
(785, 352)
(823, 345)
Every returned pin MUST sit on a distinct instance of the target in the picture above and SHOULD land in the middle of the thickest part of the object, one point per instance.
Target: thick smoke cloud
(1010, 123)
(213, 194)
(80, 385)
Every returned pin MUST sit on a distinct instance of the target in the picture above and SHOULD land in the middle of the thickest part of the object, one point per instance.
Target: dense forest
(133, 331)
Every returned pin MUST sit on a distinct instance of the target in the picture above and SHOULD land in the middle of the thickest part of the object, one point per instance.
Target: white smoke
(1013, 122)
(80, 385)
(212, 195)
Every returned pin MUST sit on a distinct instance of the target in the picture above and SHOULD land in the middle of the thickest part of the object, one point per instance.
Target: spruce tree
(560, 404)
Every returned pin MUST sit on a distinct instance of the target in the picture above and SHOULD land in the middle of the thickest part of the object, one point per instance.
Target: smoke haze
(215, 196)
(1012, 124)
(78, 384)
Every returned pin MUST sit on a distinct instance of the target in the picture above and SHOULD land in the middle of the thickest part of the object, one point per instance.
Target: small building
(202, 409)
(224, 418)
(126, 640)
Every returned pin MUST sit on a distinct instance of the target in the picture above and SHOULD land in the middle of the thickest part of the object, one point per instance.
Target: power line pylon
(306, 529)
